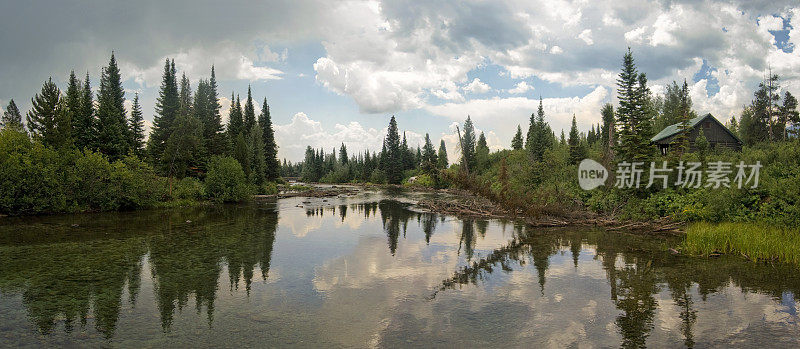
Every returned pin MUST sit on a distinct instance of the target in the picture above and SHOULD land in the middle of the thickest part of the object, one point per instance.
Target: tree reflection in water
(67, 280)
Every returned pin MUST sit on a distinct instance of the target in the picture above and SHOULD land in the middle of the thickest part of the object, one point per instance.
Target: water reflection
(376, 273)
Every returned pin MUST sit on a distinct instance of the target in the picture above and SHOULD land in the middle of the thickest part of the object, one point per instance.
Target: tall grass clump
(755, 241)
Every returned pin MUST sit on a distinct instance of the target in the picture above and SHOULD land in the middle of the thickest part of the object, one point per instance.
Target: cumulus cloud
(521, 87)
(477, 86)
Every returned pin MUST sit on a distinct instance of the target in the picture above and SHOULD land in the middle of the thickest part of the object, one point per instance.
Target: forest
(81, 152)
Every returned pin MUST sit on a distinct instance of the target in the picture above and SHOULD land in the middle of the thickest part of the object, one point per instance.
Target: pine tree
(12, 119)
(542, 138)
(185, 97)
(235, 122)
(441, 157)
(216, 140)
(391, 156)
(74, 106)
(406, 155)
(481, 154)
(184, 147)
(249, 113)
(428, 155)
(633, 114)
(468, 160)
(241, 153)
(272, 169)
(343, 154)
(576, 151)
(86, 121)
(789, 114)
(733, 125)
(258, 165)
(530, 138)
(167, 109)
(45, 119)
(684, 115)
(516, 142)
(137, 128)
(112, 125)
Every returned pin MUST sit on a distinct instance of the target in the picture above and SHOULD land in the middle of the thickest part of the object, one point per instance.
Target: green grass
(755, 241)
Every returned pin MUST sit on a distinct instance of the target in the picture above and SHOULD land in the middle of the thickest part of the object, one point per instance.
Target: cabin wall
(717, 136)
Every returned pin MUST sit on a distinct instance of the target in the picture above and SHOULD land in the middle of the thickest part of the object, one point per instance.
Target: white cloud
(521, 87)
(477, 86)
(635, 36)
(556, 50)
(586, 36)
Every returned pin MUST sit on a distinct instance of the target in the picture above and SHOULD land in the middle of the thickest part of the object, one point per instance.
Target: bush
(225, 180)
(269, 188)
(189, 188)
(31, 180)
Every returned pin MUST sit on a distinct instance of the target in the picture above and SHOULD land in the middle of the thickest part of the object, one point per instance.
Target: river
(369, 270)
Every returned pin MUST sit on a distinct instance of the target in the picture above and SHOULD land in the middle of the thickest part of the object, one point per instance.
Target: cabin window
(707, 124)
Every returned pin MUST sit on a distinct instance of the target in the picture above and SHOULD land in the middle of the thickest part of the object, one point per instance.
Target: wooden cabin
(716, 133)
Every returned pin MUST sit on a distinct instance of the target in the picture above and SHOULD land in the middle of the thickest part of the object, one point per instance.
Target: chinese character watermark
(714, 175)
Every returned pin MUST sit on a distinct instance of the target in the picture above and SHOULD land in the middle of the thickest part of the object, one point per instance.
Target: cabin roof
(674, 129)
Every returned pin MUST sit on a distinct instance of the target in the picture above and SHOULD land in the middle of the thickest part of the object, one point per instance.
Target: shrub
(189, 188)
(225, 180)
(31, 180)
(269, 188)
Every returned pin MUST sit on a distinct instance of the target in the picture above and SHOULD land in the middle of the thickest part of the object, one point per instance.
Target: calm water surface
(371, 271)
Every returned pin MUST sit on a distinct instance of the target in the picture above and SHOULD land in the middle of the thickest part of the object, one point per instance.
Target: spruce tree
(441, 157)
(137, 128)
(87, 123)
(271, 163)
(530, 137)
(481, 154)
(74, 106)
(516, 142)
(542, 138)
(12, 119)
(683, 115)
(184, 147)
(185, 97)
(633, 115)
(607, 128)
(343, 154)
(789, 115)
(46, 119)
(407, 155)
(112, 125)
(468, 160)
(167, 109)
(216, 140)
(235, 123)
(392, 160)
(241, 152)
(249, 113)
(576, 151)
(258, 166)
(428, 155)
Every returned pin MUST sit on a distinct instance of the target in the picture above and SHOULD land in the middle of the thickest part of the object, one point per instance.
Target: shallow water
(366, 271)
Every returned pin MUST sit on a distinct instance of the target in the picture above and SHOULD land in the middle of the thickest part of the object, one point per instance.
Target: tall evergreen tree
(428, 155)
(441, 157)
(185, 97)
(258, 166)
(112, 125)
(12, 119)
(184, 147)
(137, 127)
(683, 114)
(271, 163)
(789, 115)
(167, 110)
(468, 160)
(406, 154)
(481, 154)
(576, 150)
(241, 152)
(633, 115)
(392, 156)
(235, 122)
(84, 120)
(217, 143)
(74, 105)
(249, 113)
(343, 154)
(48, 119)
(516, 142)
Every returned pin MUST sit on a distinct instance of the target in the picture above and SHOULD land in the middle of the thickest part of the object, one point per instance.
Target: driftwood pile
(472, 206)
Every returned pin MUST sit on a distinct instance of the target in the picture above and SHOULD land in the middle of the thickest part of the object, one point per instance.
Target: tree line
(187, 129)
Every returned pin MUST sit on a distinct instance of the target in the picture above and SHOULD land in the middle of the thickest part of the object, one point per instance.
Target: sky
(335, 71)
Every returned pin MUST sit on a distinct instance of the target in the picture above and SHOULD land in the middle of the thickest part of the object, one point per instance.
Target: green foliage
(468, 160)
(441, 157)
(226, 181)
(517, 142)
(36, 179)
(189, 188)
(112, 126)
